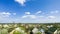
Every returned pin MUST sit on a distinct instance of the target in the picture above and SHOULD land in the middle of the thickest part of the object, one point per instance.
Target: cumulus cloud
(41, 16)
(27, 13)
(29, 16)
(32, 16)
(54, 12)
(5, 14)
(24, 16)
(51, 17)
(22, 2)
(5, 17)
(38, 12)
(14, 13)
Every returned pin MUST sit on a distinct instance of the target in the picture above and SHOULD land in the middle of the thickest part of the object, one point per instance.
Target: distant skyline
(29, 11)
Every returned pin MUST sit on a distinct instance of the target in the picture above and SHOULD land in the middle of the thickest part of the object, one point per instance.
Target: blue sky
(29, 11)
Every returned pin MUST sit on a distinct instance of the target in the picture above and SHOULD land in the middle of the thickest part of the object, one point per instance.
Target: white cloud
(29, 16)
(54, 12)
(38, 12)
(14, 13)
(5, 17)
(24, 16)
(5, 14)
(32, 16)
(41, 16)
(22, 2)
(51, 17)
(27, 13)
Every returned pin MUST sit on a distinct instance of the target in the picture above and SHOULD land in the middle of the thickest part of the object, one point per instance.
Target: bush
(16, 32)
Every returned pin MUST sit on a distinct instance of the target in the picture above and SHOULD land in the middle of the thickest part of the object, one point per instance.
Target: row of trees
(8, 28)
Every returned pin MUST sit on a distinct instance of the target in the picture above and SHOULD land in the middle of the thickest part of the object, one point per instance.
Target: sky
(29, 11)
